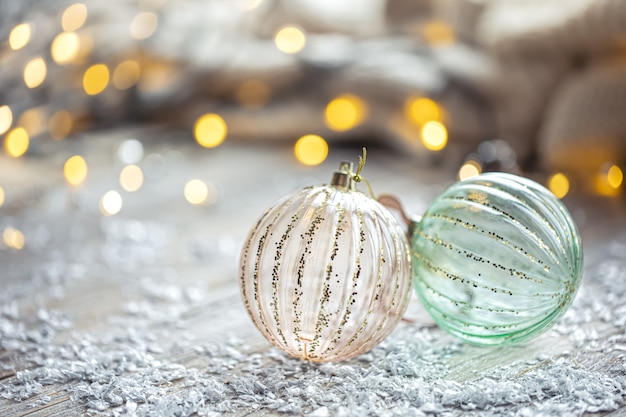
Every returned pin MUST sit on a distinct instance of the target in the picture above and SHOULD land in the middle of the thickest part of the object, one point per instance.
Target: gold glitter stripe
(492, 235)
(538, 193)
(472, 282)
(513, 220)
(318, 218)
(259, 255)
(375, 295)
(468, 305)
(277, 264)
(323, 318)
(244, 260)
(477, 258)
(355, 278)
(400, 252)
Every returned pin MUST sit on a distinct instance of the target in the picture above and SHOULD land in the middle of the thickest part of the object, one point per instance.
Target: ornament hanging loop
(362, 159)
(357, 175)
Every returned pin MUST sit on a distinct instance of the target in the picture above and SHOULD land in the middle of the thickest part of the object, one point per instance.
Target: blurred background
(99, 99)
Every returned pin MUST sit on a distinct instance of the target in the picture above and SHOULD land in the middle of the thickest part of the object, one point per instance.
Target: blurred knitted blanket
(546, 76)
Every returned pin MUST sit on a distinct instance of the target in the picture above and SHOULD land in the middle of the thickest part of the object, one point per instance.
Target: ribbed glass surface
(325, 273)
(497, 259)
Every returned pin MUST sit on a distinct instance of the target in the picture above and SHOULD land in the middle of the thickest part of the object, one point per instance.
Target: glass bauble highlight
(325, 274)
(497, 259)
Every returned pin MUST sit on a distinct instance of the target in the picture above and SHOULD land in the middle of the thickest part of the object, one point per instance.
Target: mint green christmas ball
(497, 259)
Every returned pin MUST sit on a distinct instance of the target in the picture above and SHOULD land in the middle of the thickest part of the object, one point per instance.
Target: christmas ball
(497, 259)
(325, 273)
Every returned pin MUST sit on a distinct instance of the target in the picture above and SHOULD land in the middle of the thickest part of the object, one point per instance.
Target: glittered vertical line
(245, 255)
(309, 236)
(323, 316)
(259, 256)
(277, 265)
(349, 301)
(379, 251)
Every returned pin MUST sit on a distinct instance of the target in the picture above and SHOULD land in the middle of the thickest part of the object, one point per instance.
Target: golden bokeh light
(2, 196)
(290, 39)
(210, 130)
(33, 120)
(126, 74)
(111, 203)
(558, 184)
(16, 142)
(143, 25)
(469, 169)
(434, 135)
(253, 94)
(615, 176)
(131, 178)
(35, 72)
(196, 192)
(608, 181)
(20, 36)
(13, 238)
(6, 118)
(60, 124)
(345, 112)
(75, 170)
(65, 47)
(74, 17)
(437, 33)
(96, 79)
(421, 110)
(311, 150)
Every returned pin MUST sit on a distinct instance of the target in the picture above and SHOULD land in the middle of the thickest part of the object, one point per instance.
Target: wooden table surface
(140, 314)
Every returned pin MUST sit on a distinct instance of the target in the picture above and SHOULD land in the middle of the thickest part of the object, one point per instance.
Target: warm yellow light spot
(13, 238)
(35, 72)
(210, 130)
(65, 47)
(60, 124)
(33, 120)
(16, 142)
(6, 118)
(19, 36)
(2, 196)
(608, 181)
(111, 203)
(469, 169)
(96, 79)
(345, 112)
(290, 39)
(311, 150)
(422, 110)
(253, 93)
(131, 178)
(143, 25)
(75, 170)
(437, 33)
(196, 192)
(126, 74)
(559, 185)
(615, 176)
(74, 17)
(434, 136)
